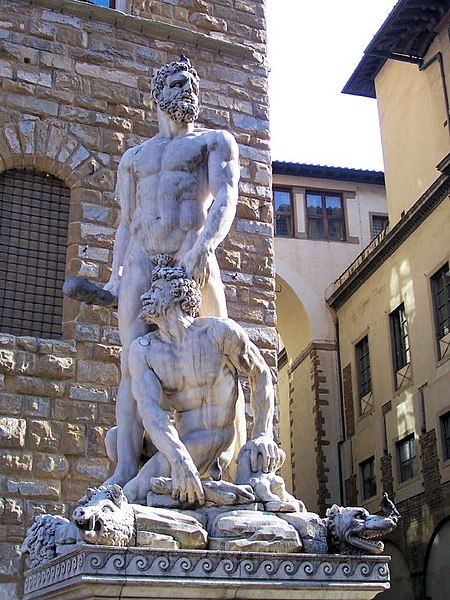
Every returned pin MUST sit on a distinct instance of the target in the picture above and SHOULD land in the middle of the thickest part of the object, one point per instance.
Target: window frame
(368, 485)
(372, 216)
(401, 354)
(411, 461)
(290, 214)
(324, 218)
(444, 422)
(364, 384)
(438, 321)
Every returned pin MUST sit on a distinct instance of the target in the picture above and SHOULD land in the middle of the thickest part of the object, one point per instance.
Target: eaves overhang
(384, 245)
(405, 35)
(327, 172)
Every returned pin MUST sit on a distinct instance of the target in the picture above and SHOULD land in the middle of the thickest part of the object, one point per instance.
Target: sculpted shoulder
(221, 140)
(222, 330)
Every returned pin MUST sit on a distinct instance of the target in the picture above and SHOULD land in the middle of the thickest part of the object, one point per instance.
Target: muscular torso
(172, 193)
(198, 381)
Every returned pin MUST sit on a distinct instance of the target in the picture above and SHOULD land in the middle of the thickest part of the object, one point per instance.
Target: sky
(313, 48)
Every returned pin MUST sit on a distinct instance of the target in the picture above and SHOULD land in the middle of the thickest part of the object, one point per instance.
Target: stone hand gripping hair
(177, 193)
(189, 367)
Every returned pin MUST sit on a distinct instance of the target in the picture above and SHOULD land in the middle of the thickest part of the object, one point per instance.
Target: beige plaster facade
(393, 306)
(308, 378)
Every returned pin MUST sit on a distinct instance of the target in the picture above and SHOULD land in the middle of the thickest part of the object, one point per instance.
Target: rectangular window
(379, 222)
(368, 478)
(400, 341)
(364, 377)
(445, 431)
(440, 287)
(406, 458)
(325, 216)
(105, 3)
(284, 214)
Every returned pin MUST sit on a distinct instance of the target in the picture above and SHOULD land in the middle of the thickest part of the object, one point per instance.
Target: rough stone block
(88, 393)
(12, 432)
(73, 439)
(56, 367)
(91, 371)
(91, 469)
(50, 466)
(96, 445)
(10, 404)
(7, 361)
(15, 463)
(32, 386)
(25, 363)
(36, 407)
(10, 557)
(34, 489)
(8, 591)
(74, 411)
(34, 508)
(44, 435)
(12, 511)
(110, 335)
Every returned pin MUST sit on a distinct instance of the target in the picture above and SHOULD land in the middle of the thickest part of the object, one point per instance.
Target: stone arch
(437, 575)
(48, 146)
(307, 297)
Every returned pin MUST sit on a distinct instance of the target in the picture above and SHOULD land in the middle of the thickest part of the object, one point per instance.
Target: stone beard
(180, 111)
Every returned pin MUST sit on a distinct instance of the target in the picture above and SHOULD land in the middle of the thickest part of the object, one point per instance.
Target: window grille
(34, 217)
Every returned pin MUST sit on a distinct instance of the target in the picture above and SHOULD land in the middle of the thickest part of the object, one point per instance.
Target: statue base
(94, 572)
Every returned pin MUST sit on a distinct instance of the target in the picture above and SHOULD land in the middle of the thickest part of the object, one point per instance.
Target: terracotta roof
(405, 35)
(325, 172)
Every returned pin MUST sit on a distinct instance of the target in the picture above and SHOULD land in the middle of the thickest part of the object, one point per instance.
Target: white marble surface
(100, 572)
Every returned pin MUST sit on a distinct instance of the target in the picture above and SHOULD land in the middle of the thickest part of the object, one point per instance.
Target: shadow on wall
(401, 585)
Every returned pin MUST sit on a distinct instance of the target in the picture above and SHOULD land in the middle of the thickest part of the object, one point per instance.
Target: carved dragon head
(355, 529)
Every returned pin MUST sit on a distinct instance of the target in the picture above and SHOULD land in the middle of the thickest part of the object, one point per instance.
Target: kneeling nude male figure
(188, 368)
(177, 193)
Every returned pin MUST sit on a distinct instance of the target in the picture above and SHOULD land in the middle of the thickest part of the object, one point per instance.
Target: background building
(392, 305)
(74, 95)
(324, 217)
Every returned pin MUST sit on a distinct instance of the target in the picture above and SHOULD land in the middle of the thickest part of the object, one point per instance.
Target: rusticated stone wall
(74, 96)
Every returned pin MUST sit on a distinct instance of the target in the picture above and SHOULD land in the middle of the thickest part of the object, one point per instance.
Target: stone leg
(203, 446)
(136, 280)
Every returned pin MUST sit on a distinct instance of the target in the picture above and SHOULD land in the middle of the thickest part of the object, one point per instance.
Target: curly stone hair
(159, 78)
(181, 286)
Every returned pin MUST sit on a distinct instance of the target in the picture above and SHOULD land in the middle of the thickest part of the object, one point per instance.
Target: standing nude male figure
(177, 193)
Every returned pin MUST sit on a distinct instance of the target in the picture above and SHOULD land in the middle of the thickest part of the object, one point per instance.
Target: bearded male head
(175, 88)
(170, 285)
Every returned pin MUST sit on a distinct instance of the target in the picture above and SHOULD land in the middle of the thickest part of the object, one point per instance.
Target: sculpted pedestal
(95, 572)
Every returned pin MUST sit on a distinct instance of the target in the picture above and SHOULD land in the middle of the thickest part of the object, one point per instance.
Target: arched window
(34, 217)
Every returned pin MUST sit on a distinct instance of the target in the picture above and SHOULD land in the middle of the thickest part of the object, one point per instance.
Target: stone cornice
(372, 257)
(208, 573)
(150, 27)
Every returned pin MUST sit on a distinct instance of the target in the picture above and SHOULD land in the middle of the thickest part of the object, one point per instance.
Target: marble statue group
(185, 475)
